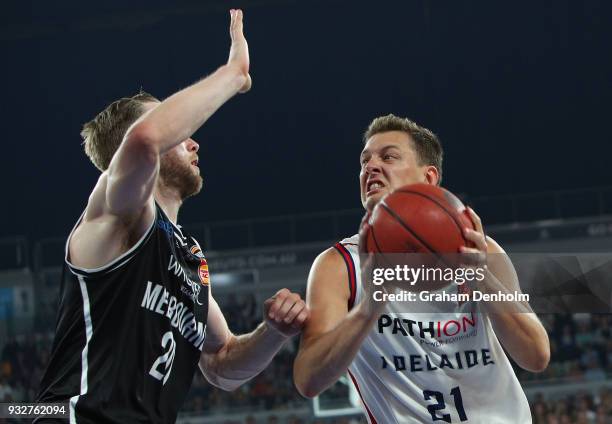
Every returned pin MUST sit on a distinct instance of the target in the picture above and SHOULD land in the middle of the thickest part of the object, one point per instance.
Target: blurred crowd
(22, 362)
(581, 348)
(581, 351)
(577, 409)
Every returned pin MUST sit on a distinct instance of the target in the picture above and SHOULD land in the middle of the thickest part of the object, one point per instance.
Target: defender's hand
(239, 52)
(286, 312)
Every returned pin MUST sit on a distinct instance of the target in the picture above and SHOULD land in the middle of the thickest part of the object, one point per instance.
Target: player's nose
(373, 166)
(192, 145)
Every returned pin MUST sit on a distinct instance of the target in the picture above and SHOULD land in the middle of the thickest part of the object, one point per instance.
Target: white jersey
(425, 367)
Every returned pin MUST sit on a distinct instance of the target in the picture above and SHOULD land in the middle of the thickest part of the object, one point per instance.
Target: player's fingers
(472, 257)
(476, 220)
(275, 303)
(301, 319)
(232, 23)
(268, 308)
(297, 308)
(238, 28)
(476, 237)
(287, 305)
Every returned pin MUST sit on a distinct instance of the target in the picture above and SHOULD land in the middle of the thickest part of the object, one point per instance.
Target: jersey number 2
(440, 404)
(167, 358)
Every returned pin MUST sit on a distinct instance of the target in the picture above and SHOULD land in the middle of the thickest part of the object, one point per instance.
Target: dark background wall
(519, 93)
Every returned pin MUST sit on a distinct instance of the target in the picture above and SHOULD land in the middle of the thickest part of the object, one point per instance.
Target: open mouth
(194, 162)
(373, 186)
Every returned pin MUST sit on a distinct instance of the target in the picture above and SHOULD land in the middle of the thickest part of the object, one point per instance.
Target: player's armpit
(333, 335)
(101, 237)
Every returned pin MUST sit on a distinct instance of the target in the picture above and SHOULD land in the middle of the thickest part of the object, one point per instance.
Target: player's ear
(432, 176)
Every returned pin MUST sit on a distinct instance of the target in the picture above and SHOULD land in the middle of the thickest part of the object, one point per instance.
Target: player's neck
(169, 200)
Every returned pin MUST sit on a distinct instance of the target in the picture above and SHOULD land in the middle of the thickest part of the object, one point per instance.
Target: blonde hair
(103, 134)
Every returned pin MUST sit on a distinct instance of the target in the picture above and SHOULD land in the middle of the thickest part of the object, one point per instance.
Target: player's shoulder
(328, 275)
(328, 259)
(350, 241)
(335, 256)
(334, 261)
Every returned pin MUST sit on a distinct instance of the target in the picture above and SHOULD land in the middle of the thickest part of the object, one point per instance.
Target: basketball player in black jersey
(136, 314)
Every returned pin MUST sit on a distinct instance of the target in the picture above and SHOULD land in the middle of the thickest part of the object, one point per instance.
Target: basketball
(419, 218)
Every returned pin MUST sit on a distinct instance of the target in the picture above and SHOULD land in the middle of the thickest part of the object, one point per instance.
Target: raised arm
(133, 171)
(333, 335)
(121, 206)
(227, 361)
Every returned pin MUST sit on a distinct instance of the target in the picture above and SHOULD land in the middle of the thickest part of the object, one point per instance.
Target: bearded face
(179, 171)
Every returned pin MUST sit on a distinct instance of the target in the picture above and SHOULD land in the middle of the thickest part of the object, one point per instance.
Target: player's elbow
(541, 359)
(305, 382)
(538, 360)
(307, 389)
(225, 384)
(143, 138)
(309, 392)
(229, 386)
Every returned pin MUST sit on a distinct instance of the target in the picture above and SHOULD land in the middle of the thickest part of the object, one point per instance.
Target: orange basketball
(419, 218)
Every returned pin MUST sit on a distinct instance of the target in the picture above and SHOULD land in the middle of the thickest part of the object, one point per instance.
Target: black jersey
(129, 335)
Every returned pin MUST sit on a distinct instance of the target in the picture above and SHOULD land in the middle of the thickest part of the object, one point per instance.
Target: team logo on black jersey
(196, 251)
(203, 272)
(203, 267)
(166, 227)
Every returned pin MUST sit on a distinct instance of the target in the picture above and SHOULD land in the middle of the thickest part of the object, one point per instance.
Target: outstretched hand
(239, 51)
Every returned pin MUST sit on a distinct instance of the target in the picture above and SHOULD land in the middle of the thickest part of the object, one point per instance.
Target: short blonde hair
(103, 134)
(426, 144)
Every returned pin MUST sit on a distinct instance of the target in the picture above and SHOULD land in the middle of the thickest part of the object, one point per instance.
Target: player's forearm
(243, 357)
(322, 361)
(180, 115)
(524, 338)
(517, 327)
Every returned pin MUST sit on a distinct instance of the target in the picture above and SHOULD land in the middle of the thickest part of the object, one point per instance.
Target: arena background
(519, 93)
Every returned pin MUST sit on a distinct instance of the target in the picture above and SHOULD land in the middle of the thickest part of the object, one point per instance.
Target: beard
(179, 176)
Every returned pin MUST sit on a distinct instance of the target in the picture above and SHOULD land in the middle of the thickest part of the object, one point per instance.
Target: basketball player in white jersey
(414, 366)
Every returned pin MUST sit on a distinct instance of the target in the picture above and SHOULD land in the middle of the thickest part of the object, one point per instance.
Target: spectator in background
(6, 392)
